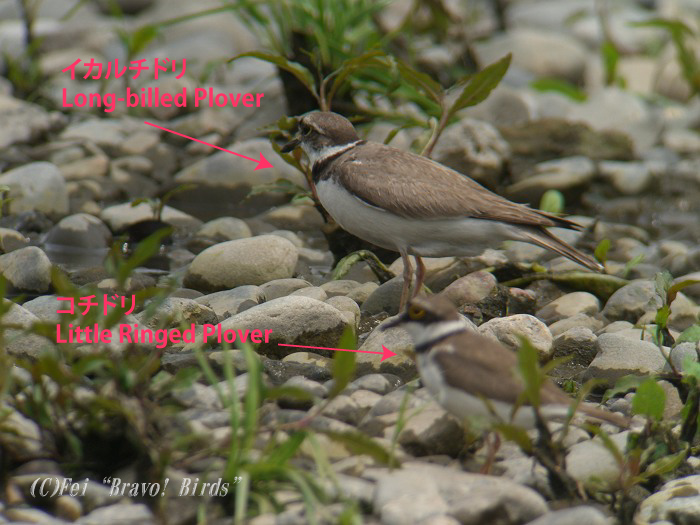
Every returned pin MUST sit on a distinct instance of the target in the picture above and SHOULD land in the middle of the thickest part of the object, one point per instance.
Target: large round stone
(256, 260)
(569, 305)
(292, 320)
(81, 230)
(19, 342)
(38, 186)
(123, 215)
(27, 269)
(632, 301)
(507, 329)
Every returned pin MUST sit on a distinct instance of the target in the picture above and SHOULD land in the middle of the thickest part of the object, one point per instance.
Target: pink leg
(420, 275)
(492, 446)
(407, 275)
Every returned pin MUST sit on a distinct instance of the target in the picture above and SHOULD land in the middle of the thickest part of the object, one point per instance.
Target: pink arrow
(262, 163)
(386, 354)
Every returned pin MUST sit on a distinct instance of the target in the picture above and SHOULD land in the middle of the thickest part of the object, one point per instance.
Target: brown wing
(443, 192)
(482, 375)
(479, 366)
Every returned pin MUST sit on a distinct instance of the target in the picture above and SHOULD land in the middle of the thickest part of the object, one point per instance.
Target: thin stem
(444, 115)
(27, 14)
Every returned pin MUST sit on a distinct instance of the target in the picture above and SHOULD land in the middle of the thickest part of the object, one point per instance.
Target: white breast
(424, 237)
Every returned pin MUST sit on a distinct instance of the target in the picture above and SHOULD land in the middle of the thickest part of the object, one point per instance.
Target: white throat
(316, 155)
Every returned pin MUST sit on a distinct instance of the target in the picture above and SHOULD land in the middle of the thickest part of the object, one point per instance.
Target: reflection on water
(71, 257)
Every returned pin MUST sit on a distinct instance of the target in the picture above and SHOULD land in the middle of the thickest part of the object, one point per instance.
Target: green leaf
(528, 367)
(358, 443)
(140, 38)
(608, 443)
(344, 362)
(663, 282)
(691, 367)
(392, 134)
(177, 189)
(516, 434)
(599, 284)
(662, 316)
(649, 400)
(623, 385)
(555, 363)
(373, 58)
(421, 81)
(283, 452)
(680, 35)
(690, 415)
(88, 365)
(689, 335)
(480, 85)
(674, 289)
(611, 57)
(664, 465)
(302, 74)
(141, 200)
(601, 251)
(253, 396)
(290, 392)
(552, 201)
(634, 261)
(557, 85)
(279, 186)
(665, 23)
(347, 262)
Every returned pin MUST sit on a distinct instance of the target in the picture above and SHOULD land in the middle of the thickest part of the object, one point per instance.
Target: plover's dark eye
(305, 129)
(415, 312)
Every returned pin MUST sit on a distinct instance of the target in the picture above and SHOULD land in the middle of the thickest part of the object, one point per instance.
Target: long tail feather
(596, 412)
(542, 237)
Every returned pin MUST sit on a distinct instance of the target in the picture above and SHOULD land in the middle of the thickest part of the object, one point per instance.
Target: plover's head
(428, 318)
(322, 133)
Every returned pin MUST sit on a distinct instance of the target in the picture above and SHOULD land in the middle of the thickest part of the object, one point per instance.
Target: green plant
(667, 292)
(549, 452)
(158, 203)
(257, 473)
(5, 199)
(657, 452)
(652, 455)
(377, 267)
(557, 85)
(135, 41)
(601, 251)
(24, 71)
(689, 375)
(681, 36)
(332, 31)
(609, 49)
(85, 402)
(552, 201)
(310, 39)
(95, 410)
(5, 360)
(376, 73)
(403, 418)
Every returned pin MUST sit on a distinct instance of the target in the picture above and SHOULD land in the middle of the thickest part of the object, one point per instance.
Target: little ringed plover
(473, 376)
